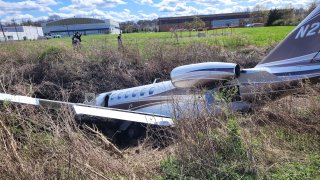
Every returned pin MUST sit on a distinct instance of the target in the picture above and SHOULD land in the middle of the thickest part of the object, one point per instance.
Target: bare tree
(288, 12)
(197, 23)
(311, 7)
(259, 14)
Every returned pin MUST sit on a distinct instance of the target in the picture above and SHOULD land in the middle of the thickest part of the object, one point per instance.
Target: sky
(124, 10)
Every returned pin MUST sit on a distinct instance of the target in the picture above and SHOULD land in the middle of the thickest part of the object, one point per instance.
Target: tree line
(288, 16)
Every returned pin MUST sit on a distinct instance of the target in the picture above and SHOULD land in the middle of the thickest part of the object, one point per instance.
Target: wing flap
(123, 115)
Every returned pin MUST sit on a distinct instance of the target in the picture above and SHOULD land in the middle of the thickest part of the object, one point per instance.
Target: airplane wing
(83, 109)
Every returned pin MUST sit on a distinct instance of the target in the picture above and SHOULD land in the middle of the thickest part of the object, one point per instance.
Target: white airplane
(295, 59)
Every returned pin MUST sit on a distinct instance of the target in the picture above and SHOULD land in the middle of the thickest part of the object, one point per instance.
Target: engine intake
(203, 74)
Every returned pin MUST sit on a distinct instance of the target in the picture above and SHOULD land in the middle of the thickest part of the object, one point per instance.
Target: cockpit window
(113, 96)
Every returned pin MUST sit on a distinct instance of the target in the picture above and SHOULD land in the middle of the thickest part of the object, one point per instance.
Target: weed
(52, 54)
(308, 168)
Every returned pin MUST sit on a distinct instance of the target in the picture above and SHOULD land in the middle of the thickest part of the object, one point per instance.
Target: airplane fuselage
(164, 98)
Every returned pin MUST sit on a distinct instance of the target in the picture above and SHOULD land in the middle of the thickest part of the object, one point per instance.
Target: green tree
(274, 15)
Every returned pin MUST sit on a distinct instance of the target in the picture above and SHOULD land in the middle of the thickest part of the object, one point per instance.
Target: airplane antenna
(156, 80)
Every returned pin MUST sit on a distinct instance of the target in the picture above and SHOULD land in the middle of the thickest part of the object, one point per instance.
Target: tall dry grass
(37, 143)
(48, 144)
(49, 71)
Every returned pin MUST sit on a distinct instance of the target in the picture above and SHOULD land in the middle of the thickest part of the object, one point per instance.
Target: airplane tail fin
(300, 47)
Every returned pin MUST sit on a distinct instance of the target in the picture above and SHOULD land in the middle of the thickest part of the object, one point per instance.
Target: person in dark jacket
(120, 46)
(76, 39)
(76, 35)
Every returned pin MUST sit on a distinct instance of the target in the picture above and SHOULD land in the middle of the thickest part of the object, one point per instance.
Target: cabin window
(134, 93)
(127, 94)
(142, 92)
(151, 91)
(119, 96)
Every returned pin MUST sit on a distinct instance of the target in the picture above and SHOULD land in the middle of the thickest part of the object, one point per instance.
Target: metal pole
(5, 38)
(68, 30)
(15, 26)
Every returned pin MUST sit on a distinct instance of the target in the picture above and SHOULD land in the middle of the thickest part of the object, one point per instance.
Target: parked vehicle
(255, 25)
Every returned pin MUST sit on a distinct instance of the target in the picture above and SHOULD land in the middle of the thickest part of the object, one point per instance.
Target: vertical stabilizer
(301, 46)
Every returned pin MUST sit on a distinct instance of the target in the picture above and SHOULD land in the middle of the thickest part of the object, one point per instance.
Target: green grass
(263, 36)
(259, 36)
(239, 37)
(308, 168)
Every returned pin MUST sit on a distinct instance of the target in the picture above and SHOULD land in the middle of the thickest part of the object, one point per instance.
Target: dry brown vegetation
(52, 72)
(36, 143)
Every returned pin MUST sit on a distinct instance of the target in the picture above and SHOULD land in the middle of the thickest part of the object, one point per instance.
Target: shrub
(279, 22)
(209, 147)
(52, 54)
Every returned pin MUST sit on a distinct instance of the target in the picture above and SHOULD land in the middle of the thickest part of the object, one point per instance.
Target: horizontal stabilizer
(83, 109)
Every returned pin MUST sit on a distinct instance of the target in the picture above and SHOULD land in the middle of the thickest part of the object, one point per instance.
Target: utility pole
(68, 30)
(15, 26)
(5, 38)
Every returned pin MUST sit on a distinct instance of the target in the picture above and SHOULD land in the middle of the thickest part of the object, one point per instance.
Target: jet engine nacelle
(203, 74)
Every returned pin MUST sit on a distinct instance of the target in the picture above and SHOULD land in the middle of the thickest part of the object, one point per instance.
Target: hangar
(14, 33)
(211, 21)
(86, 26)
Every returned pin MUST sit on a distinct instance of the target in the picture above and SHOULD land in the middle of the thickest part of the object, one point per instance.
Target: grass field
(233, 39)
(255, 36)
(236, 37)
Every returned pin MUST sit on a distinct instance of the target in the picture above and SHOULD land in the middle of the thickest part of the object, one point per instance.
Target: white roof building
(86, 26)
(20, 33)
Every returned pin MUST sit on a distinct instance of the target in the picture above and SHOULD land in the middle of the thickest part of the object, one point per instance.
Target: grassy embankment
(278, 141)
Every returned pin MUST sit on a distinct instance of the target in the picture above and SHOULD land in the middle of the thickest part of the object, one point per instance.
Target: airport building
(213, 21)
(86, 26)
(14, 33)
